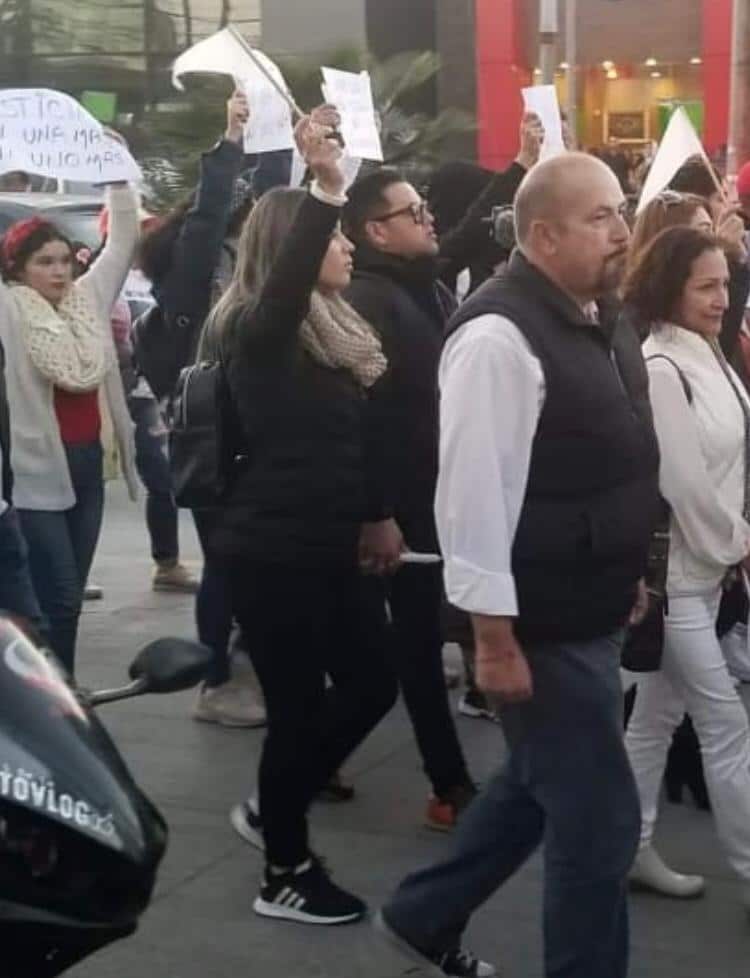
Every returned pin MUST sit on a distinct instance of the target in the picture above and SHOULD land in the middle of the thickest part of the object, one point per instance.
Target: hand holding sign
(49, 133)
(322, 153)
(238, 115)
(532, 138)
(541, 100)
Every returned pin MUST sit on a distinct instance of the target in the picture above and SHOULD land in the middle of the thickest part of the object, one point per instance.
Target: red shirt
(78, 416)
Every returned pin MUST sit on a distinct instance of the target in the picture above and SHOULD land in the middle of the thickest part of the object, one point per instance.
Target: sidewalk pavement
(201, 921)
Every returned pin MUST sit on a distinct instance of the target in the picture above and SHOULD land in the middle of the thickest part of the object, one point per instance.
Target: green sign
(102, 105)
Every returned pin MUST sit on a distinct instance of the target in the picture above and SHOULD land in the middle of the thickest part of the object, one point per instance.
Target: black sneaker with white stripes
(307, 895)
(441, 964)
(245, 820)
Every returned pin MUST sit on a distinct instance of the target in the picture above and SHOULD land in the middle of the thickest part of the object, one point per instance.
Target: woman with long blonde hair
(300, 364)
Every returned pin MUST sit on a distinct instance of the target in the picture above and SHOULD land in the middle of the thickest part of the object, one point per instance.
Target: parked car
(76, 215)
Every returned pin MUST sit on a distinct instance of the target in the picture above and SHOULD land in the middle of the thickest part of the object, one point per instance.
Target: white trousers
(694, 678)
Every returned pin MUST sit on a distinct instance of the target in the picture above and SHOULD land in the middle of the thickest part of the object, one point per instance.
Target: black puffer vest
(592, 496)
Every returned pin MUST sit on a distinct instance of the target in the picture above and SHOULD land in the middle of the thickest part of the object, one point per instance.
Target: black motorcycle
(80, 844)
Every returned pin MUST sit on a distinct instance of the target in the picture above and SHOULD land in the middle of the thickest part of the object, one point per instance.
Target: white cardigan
(702, 474)
(40, 466)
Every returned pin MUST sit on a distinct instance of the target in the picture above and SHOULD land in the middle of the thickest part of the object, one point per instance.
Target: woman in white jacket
(65, 392)
(702, 418)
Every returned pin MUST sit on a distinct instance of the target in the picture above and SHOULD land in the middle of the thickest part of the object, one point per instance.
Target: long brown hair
(667, 210)
(656, 282)
(257, 250)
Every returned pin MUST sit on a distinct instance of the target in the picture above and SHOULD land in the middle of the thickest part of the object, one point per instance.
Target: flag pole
(258, 62)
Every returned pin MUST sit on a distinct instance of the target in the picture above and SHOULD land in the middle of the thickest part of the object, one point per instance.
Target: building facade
(635, 60)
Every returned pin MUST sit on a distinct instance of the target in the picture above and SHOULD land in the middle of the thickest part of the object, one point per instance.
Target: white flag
(270, 126)
(679, 143)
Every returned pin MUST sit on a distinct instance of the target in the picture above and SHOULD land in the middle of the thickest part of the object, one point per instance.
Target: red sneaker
(443, 813)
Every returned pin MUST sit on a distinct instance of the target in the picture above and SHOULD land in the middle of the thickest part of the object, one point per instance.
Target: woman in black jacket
(299, 363)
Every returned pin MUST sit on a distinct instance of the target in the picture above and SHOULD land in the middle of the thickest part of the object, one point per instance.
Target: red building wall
(502, 71)
(501, 75)
(717, 58)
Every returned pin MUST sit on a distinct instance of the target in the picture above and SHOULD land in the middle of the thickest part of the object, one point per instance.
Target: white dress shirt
(491, 396)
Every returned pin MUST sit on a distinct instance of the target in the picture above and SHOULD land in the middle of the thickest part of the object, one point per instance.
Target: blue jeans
(152, 462)
(17, 595)
(213, 604)
(62, 546)
(567, 783)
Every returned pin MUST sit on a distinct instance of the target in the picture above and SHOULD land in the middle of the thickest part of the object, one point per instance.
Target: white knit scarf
(337, 336)
(67, 343)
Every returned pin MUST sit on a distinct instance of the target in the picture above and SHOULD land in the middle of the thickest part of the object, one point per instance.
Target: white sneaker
(650, 872)
(245, 820)
(232, 704)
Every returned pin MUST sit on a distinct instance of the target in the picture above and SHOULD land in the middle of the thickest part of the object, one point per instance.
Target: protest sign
(352, 96)
(50, 134)
(679, 143)
(542, 100)
(270, 124)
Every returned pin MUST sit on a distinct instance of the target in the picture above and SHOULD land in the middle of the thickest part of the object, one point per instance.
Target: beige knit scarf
(67, 343)
(337, 336)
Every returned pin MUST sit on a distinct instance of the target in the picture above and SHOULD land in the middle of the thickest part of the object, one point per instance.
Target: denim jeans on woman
(151, 459)
(17, 595)
(62, 546)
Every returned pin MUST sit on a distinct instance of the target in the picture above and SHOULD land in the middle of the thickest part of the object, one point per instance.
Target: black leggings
(303, 625)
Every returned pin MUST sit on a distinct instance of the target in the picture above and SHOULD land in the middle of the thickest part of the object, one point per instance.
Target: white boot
(650, 872)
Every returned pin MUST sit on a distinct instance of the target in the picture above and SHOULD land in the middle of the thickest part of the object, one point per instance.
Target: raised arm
(107, 275)
(461, 246)
(186, 290)
(274, 320)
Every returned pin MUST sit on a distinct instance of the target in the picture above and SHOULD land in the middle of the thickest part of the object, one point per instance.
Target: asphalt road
(201, 922)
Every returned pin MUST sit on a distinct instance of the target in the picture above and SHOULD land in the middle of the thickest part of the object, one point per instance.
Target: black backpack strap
(683, 379)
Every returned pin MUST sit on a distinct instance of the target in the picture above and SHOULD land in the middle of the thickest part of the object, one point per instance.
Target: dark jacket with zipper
(409, 308)
(7, 475)
(592, 498)
(184, 293)
(302, 494)
(471, 244)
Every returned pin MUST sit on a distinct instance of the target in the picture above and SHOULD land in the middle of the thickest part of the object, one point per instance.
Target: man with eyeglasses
(396, 288)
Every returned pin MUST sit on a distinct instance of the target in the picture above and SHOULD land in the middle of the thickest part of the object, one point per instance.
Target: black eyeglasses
(418, 213)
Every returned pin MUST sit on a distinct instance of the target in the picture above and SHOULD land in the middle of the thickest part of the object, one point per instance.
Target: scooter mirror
(169, 665)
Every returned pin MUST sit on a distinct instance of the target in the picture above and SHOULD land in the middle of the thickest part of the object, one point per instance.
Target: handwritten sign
(270, 125)
(352, 96)
(542, 100)
(49, 133)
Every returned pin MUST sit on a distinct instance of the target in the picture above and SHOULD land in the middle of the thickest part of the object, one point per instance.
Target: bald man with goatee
(546, 500)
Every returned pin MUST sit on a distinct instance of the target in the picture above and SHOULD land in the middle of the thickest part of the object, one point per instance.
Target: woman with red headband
(64, 391)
